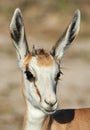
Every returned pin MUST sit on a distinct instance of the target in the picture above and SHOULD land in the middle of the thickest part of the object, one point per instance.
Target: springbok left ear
(18, 36)
(68, 36)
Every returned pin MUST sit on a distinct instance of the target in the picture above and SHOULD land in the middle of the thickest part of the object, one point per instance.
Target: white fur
(35, 118)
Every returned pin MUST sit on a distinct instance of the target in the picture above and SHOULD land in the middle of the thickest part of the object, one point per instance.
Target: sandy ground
(74, 86)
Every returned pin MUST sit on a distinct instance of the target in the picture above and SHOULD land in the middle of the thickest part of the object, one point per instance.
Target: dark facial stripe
(38, 93)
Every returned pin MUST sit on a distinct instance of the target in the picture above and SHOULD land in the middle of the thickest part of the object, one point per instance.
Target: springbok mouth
(50, 111)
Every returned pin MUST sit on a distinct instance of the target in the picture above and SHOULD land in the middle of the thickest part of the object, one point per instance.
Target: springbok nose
(51, 104)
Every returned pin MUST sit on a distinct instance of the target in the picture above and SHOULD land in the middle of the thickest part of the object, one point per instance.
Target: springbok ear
(68, 36)
(18, 35)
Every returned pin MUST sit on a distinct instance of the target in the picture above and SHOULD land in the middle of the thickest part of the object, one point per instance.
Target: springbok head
(41, 68)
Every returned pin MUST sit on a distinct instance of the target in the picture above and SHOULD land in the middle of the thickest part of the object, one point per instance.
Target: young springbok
(41, 72)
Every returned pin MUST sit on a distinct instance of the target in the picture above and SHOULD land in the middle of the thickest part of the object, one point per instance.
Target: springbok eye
(29, 75)
(58, 75)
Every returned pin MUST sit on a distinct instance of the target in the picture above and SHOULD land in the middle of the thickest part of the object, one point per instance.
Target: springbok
(41, 72)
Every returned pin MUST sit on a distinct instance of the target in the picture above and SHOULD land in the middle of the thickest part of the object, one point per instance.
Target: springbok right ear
(69, 35)
(18, 35)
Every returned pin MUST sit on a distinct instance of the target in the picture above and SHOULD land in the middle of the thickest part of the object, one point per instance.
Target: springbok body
(41, 72)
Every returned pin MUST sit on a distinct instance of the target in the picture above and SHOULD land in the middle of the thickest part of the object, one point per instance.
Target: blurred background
(45, 21)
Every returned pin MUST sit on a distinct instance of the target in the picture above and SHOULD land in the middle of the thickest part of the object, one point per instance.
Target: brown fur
(81, 121)
(38, 93)
(27, 59)
(44, 58)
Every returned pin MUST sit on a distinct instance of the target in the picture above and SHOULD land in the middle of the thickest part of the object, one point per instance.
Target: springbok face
(41, 73)
(41, 68)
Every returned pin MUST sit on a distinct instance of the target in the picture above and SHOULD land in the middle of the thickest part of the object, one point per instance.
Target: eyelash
(58, 75)
(29, 76)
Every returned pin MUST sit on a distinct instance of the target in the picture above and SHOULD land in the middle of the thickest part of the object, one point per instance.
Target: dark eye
(30, 76)
(58, 75)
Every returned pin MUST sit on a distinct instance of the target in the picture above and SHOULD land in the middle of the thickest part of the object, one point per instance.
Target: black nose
(51, 104)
